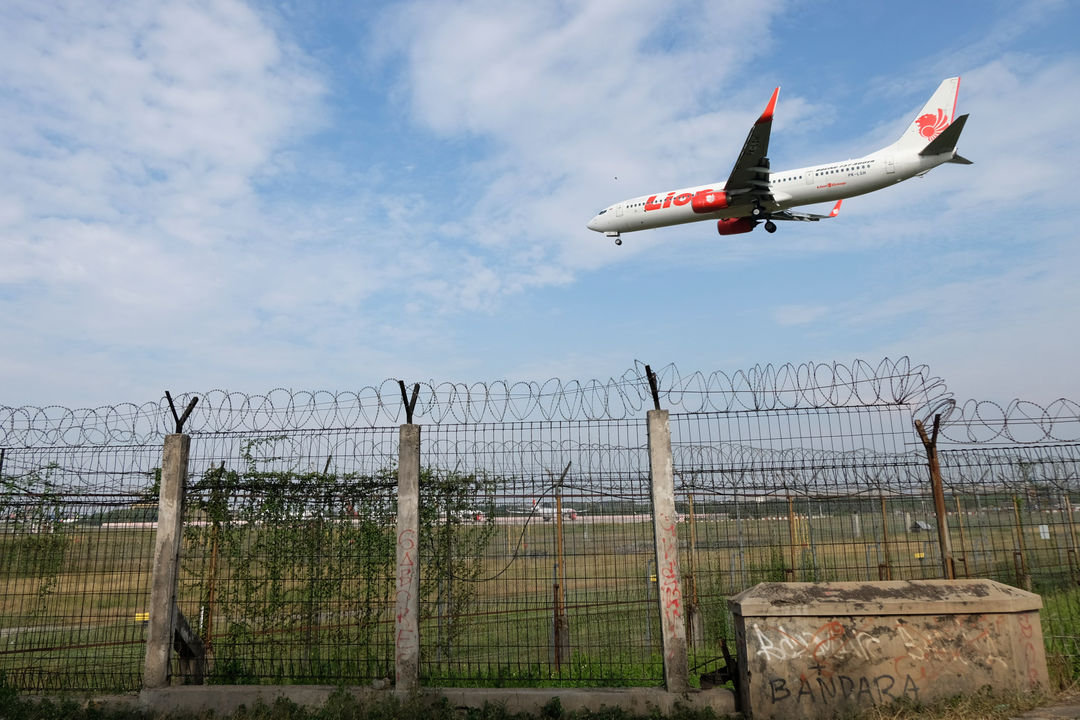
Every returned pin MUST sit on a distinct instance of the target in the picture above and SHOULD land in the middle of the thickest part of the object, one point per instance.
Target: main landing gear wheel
(618, 241)
(770, 226)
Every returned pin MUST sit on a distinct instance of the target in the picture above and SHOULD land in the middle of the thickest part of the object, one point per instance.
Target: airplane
(464, 515)
(546, 510)
(754, 193)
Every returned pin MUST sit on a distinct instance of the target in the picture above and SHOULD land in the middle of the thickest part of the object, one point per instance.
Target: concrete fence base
(225, 699)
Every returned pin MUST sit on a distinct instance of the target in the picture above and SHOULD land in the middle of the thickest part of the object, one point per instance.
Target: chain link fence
(536, 537)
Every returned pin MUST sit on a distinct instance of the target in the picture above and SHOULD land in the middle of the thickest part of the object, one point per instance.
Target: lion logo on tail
(930, 125)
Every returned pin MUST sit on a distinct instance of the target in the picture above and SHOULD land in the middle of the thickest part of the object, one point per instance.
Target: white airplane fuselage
(791, 188)
(754, 193)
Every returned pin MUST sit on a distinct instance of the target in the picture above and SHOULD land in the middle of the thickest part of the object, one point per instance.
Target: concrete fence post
(407, 587)
(668, 575)
(159, 634)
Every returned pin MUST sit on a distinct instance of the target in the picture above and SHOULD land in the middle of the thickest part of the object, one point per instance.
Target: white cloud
(995, 328)
(143, 103)
(799, 314)
(995, 338)
(134, 137)
(163, 219)
(570, 97)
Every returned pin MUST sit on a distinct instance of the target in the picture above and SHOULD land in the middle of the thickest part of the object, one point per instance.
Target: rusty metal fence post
(948, 571)
(885, 569)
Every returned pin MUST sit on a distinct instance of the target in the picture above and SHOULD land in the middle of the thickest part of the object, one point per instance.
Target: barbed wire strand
(760, 388)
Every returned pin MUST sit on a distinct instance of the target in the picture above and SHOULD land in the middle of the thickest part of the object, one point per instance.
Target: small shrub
(552, 710)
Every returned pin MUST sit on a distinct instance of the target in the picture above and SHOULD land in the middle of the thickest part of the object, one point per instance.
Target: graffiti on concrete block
(970, 640)
(867, 690)
(829, 642)
(1027, 634)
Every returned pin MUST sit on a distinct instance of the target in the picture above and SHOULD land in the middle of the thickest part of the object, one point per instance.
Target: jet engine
(707, 201)
(734, 226)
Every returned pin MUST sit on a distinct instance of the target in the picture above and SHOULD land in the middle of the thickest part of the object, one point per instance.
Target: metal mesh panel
(76, 546)
(844, 495)
(537, 557)
(1013, 516)
(536, 542)
(287, 561)
(785, 495)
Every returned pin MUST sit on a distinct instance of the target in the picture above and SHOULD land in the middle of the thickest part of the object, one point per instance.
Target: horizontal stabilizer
(946, 141)
(960, 160)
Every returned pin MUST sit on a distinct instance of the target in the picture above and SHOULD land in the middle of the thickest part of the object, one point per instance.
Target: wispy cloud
(569, 98)
(186, 200)
(134, 139)
(799, 314)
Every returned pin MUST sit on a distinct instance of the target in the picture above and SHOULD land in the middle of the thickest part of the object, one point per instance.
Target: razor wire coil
(760, 388)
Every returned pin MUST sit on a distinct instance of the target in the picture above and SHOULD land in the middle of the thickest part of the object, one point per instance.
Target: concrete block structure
(817, 650)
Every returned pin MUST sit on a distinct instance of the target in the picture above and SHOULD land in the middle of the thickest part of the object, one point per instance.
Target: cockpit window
(601, 212)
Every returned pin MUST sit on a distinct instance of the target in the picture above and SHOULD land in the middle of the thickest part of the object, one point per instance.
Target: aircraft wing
(806, 217)
(749, 179)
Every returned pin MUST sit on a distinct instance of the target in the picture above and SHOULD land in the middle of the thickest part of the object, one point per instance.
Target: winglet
(767, 115)
(836, 208)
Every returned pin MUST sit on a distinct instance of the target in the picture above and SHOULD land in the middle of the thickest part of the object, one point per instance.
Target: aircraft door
(618, 210)
(890, 165)
(809, 177)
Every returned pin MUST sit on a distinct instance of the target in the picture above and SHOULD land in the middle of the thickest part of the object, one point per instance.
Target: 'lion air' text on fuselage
(703, 201)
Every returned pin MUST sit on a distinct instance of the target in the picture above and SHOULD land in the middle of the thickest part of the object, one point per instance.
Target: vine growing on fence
(457, 521)
(288, 557)
(31, 507)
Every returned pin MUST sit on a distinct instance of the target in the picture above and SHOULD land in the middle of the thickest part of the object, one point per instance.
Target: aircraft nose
(594, 224)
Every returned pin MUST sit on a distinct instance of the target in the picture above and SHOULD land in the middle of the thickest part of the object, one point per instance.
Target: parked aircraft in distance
(465, 515)
(546, 510)
(754, 193)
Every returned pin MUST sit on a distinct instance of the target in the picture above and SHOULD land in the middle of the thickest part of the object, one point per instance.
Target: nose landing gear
(618, 241)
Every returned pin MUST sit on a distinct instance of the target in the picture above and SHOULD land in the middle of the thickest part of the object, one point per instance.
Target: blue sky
(250, 195)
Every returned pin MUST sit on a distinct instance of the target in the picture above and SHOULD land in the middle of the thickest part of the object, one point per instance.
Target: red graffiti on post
(405, 639)
(670, 582)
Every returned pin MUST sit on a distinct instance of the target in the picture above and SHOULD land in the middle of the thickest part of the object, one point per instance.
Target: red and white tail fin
(936, 115)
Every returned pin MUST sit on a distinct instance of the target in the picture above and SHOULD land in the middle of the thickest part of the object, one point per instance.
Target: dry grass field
(312, 601)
